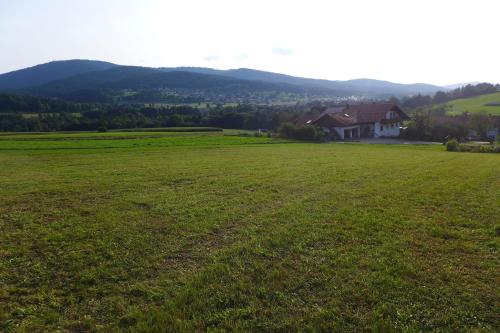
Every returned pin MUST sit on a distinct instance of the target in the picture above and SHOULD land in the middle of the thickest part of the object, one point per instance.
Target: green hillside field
(190, 232)
(476, 104)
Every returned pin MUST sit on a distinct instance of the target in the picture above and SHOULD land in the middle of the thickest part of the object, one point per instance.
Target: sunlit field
(489, 104)
(214, 231)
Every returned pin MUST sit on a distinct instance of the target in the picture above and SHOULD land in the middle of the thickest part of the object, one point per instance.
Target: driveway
(387, 141)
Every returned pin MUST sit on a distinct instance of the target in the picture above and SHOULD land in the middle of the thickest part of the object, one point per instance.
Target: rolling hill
(130, 77)
(489, 103)
(97, 81)
(148, 84)
(52, 71)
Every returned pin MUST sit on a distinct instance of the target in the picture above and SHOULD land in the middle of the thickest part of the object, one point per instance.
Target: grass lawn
(476, 104)
(205, 232)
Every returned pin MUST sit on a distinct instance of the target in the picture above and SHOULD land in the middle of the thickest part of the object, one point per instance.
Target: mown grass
(125, 140)
(226, 233)
(476, 104)
(114, 132)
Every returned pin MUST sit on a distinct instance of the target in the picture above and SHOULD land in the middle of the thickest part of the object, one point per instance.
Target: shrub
(488, 149)
(308, 133)
(452, 145)
(466, 148)
(287, 130)
(479, 148)
(102, 129)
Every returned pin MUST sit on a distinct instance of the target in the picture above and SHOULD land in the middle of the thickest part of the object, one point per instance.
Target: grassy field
(209, 232)
(476, 104)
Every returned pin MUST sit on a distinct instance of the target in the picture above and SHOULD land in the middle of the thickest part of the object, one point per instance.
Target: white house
(374, 120)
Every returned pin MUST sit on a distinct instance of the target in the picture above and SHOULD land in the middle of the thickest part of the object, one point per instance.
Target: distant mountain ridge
(98, 81)
(460, 85)
(360, 86)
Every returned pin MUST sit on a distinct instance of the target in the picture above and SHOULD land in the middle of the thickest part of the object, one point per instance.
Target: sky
(407, 41)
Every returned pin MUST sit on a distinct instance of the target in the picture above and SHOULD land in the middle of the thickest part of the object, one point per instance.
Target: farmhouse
(374, 120)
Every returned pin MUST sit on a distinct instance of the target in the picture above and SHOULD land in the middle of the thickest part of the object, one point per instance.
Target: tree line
(431, 123)
(10, 103)
(31, 114)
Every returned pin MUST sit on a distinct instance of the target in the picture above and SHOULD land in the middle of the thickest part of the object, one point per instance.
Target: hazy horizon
(413, 42)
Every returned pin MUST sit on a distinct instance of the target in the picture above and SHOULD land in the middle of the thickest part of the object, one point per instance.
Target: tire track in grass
(268, 239)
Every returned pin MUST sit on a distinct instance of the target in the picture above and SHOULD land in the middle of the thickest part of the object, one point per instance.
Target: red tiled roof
(360, 114)
(343, 118)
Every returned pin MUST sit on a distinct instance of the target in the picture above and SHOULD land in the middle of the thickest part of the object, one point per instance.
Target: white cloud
(212, 57)
(282, 51)
(241, 56)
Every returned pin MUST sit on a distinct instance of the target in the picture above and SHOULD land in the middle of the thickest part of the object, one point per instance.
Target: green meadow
(213, 231)
(476, 104)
